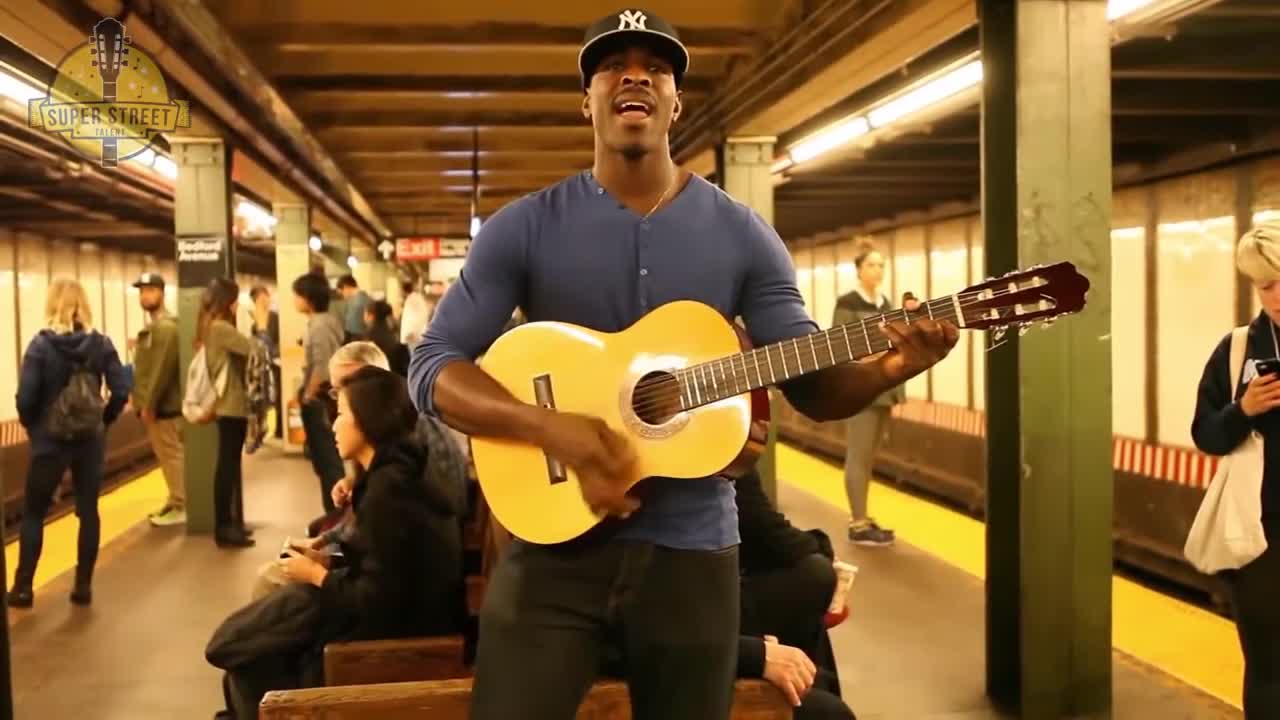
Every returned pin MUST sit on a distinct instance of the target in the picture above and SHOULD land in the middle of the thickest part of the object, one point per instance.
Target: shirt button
(644, 271)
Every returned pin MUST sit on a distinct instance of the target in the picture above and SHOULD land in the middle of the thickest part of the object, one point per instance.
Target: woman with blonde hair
(60, 404)
(1224, 418)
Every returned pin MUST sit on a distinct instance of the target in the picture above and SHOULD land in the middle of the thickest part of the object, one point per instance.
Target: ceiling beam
(363, 162)
(445, 118)
(436, 84)
(930, 176)
(452, 140)
(1195, 71)
(316, 37)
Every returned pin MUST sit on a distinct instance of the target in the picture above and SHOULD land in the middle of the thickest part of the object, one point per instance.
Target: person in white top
(414, 315)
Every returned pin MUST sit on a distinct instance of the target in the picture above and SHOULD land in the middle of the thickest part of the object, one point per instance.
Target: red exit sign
(415, 248)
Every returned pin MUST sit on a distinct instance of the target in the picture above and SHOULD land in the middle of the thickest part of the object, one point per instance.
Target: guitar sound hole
(656, 398)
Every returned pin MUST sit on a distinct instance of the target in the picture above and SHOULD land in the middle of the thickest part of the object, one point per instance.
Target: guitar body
(679, 385)
(578, 370)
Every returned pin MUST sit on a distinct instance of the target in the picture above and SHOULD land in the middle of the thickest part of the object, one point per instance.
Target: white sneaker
(172, 516)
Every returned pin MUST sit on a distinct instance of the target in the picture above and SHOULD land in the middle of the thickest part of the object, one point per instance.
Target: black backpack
(77, 410)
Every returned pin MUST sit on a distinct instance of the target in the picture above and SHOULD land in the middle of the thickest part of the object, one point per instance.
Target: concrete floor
(911, 650)
(913, 646)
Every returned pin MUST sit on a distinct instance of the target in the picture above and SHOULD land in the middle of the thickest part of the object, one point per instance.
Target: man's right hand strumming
(472, 402)
(601, 457)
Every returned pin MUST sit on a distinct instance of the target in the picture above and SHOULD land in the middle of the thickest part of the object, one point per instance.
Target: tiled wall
(1195, 231)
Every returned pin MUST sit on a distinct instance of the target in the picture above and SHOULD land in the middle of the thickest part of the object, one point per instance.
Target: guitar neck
(727, 377)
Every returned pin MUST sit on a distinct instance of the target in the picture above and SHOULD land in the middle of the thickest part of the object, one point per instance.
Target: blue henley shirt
(572, 253)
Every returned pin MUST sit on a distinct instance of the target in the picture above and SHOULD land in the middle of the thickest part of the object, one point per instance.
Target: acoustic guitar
(686, 388)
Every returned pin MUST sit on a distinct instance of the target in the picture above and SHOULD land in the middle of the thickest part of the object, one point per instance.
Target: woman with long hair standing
(225, 347)
(867, 428)
(60, 404)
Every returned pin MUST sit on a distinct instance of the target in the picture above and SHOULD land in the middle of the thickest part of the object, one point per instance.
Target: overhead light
(17, 89)
(165, 167)
(352, 262)
(315, 243)
(934, 91)
(257, 221)
(832, 137)
(930, 92)
(146, 158)
(475, 226)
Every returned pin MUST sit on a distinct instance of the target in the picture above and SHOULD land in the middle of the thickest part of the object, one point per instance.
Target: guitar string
(669, 388)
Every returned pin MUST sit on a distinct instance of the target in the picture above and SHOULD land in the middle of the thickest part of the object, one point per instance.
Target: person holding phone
(1224, 418)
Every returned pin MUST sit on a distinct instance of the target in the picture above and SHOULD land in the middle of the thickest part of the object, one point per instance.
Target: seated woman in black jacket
(404, 565)
(402, 575)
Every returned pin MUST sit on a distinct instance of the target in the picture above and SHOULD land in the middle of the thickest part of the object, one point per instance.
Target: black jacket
(769, 542)
(404, 572)
(1220, 425)
(46, 369)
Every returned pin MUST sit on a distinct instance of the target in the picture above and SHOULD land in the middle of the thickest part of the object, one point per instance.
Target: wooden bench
(428, 658)
(451, 700)
(395, 661)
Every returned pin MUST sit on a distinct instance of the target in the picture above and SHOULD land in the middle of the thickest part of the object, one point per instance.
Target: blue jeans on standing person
(85, 458)
(322, 449)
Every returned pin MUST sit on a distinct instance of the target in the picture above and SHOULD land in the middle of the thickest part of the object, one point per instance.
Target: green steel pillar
(1046, 197)
(293, 258)
(205, 250)
(745, 172)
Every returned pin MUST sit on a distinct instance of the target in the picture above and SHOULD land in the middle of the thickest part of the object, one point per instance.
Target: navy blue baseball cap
(627, 26)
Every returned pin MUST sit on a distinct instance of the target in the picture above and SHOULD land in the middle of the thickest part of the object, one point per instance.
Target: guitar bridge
(545, 398)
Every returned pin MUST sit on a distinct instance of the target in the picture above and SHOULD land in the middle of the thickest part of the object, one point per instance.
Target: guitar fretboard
(716, 380)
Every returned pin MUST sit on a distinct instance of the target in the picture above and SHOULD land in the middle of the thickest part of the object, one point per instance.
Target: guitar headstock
(108, 48)
(1024, 297)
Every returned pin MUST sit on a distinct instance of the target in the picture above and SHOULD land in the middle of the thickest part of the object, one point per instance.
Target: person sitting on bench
(402, 575)
(446, 468)
(787, 584)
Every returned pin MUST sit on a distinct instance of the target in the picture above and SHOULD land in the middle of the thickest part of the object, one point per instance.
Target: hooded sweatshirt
(46, 369)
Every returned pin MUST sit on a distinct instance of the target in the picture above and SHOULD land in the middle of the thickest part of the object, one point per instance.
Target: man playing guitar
(601, 249)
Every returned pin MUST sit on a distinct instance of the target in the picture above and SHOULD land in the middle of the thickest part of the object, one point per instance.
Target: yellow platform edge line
(118, 511)
(1193, 645)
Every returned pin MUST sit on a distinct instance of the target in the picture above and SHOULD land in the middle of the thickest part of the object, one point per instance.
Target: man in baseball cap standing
(656, 585)
(157, 394)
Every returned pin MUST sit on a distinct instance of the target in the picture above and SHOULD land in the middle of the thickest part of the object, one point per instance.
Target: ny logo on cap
(632, 20)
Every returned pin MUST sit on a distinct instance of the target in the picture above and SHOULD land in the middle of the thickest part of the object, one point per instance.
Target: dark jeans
(790, 603)
(281, 418)
(228, 483)
(554, 615)
(244, 686)
(1255, 590)
(85, 460)
(322, 449)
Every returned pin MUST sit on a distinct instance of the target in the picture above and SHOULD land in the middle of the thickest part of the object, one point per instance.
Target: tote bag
(1227, 531)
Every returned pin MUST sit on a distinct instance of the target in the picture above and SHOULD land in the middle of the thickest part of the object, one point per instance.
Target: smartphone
(1268, 367)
